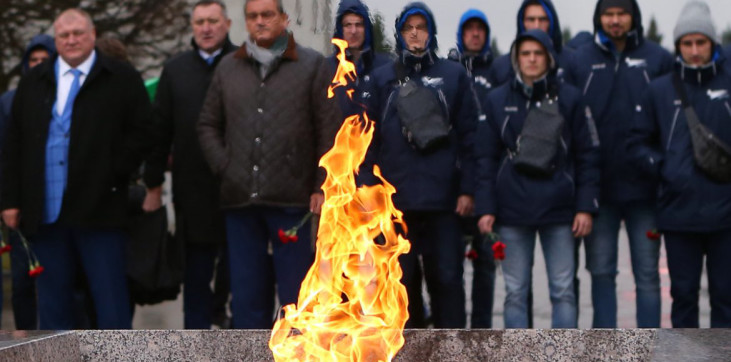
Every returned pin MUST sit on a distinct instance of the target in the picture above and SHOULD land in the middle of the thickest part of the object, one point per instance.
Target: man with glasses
(265, 123)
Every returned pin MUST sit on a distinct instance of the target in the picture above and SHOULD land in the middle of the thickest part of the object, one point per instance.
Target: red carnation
(288, 236)
(653, 234)
(35, 271)
(498, 250)
(4, 248)
(471, 255)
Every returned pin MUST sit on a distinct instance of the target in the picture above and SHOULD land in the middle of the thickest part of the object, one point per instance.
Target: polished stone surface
(692, 345)
(39, 346)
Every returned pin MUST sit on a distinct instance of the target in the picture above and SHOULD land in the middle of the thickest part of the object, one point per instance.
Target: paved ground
(169, 315)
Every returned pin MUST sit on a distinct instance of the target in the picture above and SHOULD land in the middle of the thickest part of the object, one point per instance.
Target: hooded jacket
(517, 199)
(181, 91)
(477, 65)
(660, 146)
(424, 181)
(502, 71)
(40, 41)
(612, 84)
(368, 60)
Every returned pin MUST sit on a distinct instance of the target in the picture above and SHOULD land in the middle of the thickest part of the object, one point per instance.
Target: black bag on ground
(422, 119)
(539, 140)
(711, 155)
(154, 259)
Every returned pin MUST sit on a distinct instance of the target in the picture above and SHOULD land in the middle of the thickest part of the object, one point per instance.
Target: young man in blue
(473, 52)
(533, 14)
(612, 72)
(435, 186)
(694, 210)
(516, 205)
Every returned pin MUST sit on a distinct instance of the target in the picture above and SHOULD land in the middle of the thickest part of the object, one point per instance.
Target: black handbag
(539, 140)
(711, 155)
(423, 122)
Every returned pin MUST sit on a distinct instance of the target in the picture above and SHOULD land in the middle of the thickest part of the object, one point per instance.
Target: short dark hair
(113, 48)
(212, 2)
(280, 7)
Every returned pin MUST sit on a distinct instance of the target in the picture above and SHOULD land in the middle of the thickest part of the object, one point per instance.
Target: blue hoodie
(517, 199)
(612, 85)
(502, 71)
(477, 65)
(41, 41)
(368, 60)
(424, 181)
(660, 146)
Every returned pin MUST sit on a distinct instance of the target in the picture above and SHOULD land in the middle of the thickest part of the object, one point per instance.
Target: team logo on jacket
(483, 82)
(717, 94)
(432, 82)
(636, 63)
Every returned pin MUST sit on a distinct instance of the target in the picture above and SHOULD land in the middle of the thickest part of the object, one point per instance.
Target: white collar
(205, 55)
(84, 67)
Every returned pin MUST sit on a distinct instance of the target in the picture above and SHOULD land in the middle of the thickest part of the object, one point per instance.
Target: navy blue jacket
(424, 181)
(612, 84)
(502, 71)
(517, 199)
(660, 146)
(477, 65)
(368, 60)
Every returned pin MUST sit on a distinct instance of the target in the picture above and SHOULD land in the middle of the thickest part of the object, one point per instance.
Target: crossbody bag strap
(690, 116)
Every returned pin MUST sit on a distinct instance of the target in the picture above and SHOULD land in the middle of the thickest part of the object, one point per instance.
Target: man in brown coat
(264, 125)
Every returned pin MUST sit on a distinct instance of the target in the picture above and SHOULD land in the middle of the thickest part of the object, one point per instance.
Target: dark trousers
(199, 300)
(483, 283)
(23, 298)
(254, 272)
(685, 252)
(100, 255)
(436, 235)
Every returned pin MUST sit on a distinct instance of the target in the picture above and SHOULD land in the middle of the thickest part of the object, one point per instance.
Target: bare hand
(11, 218)
(485, 223)
(465, 205)
(153, 199)
(316, 201)
(582, 225)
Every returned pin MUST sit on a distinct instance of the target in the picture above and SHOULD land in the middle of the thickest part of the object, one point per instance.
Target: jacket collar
(697, 75)
(289, 53)
(101, 63)
(228, 46)
(542, 88)
(417, 63)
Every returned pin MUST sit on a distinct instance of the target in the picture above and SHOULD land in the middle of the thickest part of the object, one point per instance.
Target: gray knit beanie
(695, 18)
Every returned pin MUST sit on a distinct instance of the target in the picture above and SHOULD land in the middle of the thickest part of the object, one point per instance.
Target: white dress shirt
(66, 78)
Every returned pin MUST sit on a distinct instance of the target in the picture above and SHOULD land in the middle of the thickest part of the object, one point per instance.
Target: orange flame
(352, 305)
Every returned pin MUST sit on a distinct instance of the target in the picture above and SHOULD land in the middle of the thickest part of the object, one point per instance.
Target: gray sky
(574, 14)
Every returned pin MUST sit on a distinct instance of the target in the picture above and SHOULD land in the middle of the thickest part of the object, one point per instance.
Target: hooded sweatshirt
(425, 181)
(477, 65)
(612, 84)
(502, 69)
(660, 142)
(518, 199)
(368, 60)
(40, 41)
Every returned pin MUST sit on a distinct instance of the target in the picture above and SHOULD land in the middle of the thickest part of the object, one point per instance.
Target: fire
(352, 305)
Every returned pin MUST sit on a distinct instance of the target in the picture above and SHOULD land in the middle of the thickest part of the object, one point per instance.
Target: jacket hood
(358, 8)
(415, 8)
(40, 41)
(540, 37)
(554, 29)
(635, 35)
(467, 16)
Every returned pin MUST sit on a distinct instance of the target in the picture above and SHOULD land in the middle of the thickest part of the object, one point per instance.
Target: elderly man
(433, 175)
(78, 131)
(265, 123)
(198, 219)
(694, 202)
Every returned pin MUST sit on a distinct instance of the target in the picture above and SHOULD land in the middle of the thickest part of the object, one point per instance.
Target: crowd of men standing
(564, 142)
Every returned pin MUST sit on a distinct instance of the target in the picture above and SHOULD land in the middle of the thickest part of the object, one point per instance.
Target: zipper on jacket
(502, 129)
(728, 108)
(444, 102)
(388, 104)
(672, 128)
(502, 167)
(647, 77)
(588, 82)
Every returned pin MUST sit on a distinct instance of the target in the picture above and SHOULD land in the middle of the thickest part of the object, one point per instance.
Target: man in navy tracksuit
(353, 24)
(474, 53)
(694, 211)
(612, 72)
(432, 187)
(558, 206)
(533, 14)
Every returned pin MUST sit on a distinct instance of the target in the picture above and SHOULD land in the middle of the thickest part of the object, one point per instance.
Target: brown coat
(263, 138)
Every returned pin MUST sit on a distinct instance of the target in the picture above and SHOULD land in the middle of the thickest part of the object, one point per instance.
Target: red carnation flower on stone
(471, 255)
(653, 235)
(498, 250)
